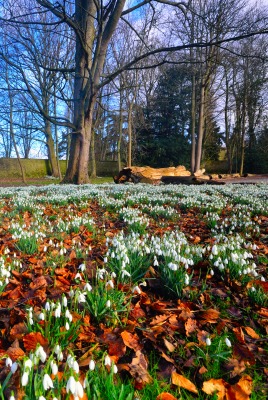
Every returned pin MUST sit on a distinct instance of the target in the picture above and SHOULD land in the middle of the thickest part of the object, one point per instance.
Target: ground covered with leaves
(134, 292)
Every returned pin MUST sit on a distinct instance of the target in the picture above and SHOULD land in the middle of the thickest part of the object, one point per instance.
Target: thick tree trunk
(129, 162)
(200, 127)
(193, 115)
(51, 150)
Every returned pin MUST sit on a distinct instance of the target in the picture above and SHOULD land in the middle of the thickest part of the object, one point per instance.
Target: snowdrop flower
(58, 311)
(105, 260)
(41, 316)
(14, 367)
(74, 387)
(8, 362)
(47, 306)
(211, 272)
(214, 250)
(40, 352)
(64, 301)
(54, 367)
(228, 343)
(67, 326)
(187, 279)
(113, 275)
(115, 369)
(125, 273)
(82, 267)
(25, 378)
(110, 283)
(208, 341)
(78, 276)
(108, 303)
(136, 289)
(88, 287)
(253, 289)
(41, 398)
(47, 382)
(68, 315)
(92, 365)
(28, 364)
(81, 298)
(12, 397)
(107, 360)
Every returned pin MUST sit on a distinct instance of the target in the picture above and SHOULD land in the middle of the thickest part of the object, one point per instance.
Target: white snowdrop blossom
(115, 369)
(82, 267)
(58, 311)
(25, 378)
(228, 343)
(41, 316)
(9, 362)
(108, 303)
(110, 284)
(41, 398)
(92, 365)
(78, 276)
(14, 367)
(136, 289)
(74, 387)
(47, 382)
(28, 364)
(54, 367)
(208, 341)
(88, 287)
(40, 353)
(81, 298)
(107, 361)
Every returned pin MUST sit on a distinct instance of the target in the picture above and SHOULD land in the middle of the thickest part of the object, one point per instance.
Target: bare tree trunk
(93, 173)
(193, 116)
(129, 162)
(120, 132)
(200, 127)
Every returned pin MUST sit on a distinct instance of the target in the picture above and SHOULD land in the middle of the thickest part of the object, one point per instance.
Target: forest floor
(134, 292)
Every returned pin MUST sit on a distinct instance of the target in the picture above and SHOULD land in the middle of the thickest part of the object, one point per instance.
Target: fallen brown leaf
(181, 381)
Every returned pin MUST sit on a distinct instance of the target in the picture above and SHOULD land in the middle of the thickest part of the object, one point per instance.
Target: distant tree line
(155, 82)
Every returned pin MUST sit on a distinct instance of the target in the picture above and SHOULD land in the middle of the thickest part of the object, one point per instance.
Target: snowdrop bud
(54, 367)
(208, 341)
(28, 364)
(47, 306)
(107, 361)
(41, 398)
(47, 382)
(214, 250)
(14, 367)
(41, 316)
(67, 326)
(8, 362)
(24, 378)
(12, 397)
(211, 272)
(228, 343)
(113, 275)
(58, 311)
(64, 301)
(187, 280)
(92, 365)
(115, 369)
(262, 279)
(75, 367)
(105, 260)
(108, 303)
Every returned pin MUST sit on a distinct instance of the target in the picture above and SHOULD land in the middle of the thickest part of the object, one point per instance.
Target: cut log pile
(174, 175)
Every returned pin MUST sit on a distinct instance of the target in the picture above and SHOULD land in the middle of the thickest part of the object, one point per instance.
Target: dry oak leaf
(159, 320)
(215, 386)
(169, 346)
(32, 339)
(131, 341)
(235, 366)
(139, 370)
(165, 396)
(251, 332)
(181, 381)
(210, 315)
(190, 326)
(18, 331)
(239, 334)
(241, 390)
(14, 353)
